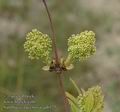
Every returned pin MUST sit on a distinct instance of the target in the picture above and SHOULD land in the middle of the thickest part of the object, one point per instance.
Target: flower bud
(91, 100)
(38, 45)
(82, 46)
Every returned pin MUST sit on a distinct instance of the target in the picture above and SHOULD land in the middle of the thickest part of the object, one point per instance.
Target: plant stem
(53, 34)
(66, 104)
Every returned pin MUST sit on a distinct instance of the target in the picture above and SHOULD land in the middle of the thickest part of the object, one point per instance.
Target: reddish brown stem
(53, 34)
(66, 103)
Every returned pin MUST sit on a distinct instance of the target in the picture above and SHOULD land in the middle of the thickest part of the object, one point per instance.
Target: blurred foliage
(19, 75)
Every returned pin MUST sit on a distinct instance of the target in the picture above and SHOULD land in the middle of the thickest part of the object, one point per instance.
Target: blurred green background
(21, 76)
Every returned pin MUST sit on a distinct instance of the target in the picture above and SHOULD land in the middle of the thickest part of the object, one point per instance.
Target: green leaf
(78, 90)
(72, 98)
(70, 67)
(89, 103)
(46, 68)
(74, 108)
(98, 99)
(92, 100)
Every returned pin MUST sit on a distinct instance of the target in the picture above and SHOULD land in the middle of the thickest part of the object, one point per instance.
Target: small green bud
(38, 45)
(82, 46)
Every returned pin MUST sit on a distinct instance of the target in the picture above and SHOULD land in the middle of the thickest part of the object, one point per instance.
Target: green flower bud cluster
(86, 101)
(91, 100)
(82, 46)
(38, 45)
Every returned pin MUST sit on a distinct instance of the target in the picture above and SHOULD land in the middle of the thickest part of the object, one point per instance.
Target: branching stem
(53, 34)
(66, 105)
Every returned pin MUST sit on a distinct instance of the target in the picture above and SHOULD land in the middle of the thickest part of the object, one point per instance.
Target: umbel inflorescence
(91, 100)
(38, 46)
(80, 47)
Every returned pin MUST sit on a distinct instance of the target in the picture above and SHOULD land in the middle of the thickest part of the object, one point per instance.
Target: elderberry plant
(42, 47)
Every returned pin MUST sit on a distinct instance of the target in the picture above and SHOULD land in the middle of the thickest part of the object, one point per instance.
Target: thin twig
(66, 103)
(53, 34)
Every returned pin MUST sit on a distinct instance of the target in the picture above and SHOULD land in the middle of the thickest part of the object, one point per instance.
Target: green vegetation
(19, 75)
